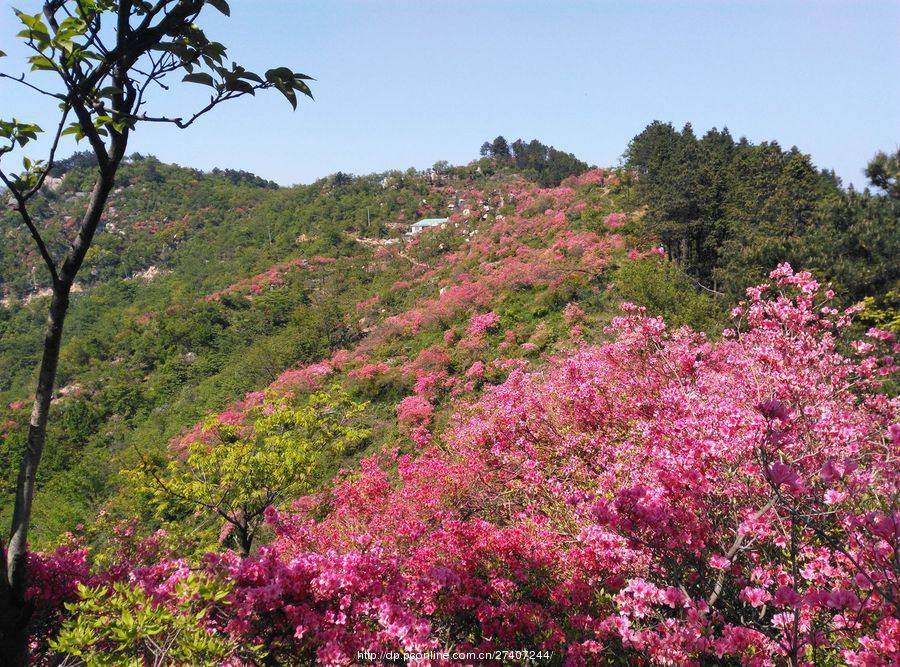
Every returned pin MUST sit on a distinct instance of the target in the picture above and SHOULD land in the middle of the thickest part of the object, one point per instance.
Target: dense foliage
(541, 163)
(236, 468)
(729, 210)
(197, 290)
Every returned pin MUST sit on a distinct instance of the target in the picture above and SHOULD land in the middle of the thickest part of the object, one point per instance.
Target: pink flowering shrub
(476, 370)
(54, 582)
(479, 324)
(414, 415)
(56, 577)
(323, 608)
(414, 411)
(368, 303)
(372, 379)
(472, 344)
(342, 358)
(573, 314)
(369, 371)
(660, 499)
(429, 384)
(305, 378)
(272, 278)
(409, 322)
(231, 418)
(144, 318)
(590, 177)
(431, 359)
(614, 220)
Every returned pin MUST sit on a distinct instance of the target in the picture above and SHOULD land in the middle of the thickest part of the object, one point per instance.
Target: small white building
(425, 223)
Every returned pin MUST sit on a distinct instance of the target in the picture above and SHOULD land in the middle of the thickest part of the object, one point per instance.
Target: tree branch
(738, 541)
(87, 126)
(35, 234)
(21, 79)
(214, 102)
(127, 54)
(51, 157)
(148, 468)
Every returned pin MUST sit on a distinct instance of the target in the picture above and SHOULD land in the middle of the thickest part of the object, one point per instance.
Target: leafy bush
(124, 625)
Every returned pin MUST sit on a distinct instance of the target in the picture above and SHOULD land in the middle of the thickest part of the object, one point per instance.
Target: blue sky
(407, 83)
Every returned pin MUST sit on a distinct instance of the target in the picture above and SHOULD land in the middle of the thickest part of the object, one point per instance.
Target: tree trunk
(15, 613)
(244, 540)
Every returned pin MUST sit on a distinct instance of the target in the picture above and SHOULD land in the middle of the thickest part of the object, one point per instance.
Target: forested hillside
(729, 210)
(199, 288)
(556, 419)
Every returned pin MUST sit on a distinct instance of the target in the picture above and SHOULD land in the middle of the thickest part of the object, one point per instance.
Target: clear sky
(405, 83)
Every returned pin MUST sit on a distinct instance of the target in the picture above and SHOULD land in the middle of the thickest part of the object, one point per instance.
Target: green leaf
(74, 128)
(109, 91)
(240, 86)
(287, 82)
(303, 88)
(250, 76)
(277, 74)
(35, 28)
(40, 63)
(66, 45)
(291, 97)
(214, 50)
(221, 5)
(120, 125)
(200, 77)
(2, 54)
(29, 20)
(73, 25)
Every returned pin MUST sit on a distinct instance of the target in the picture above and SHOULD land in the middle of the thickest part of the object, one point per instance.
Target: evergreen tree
(729, 211)
(883, 171)
(500, 149)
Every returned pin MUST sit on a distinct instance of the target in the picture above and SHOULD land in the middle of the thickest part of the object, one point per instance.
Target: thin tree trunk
(15, 613)
(244, 540)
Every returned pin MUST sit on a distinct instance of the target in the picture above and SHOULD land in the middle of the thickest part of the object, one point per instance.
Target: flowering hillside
(460, 318)
(659, 499)
(519, 437)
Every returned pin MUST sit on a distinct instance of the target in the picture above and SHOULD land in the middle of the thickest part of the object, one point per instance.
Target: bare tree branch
(21, 79)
